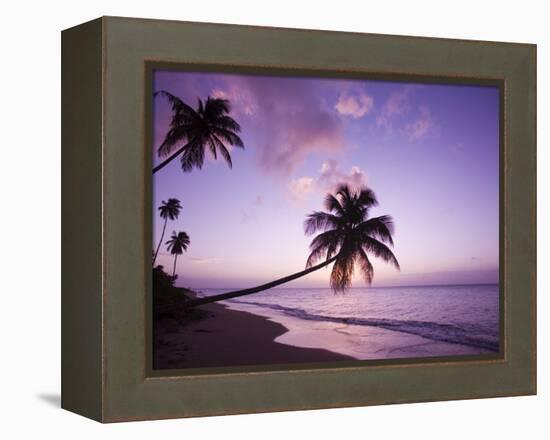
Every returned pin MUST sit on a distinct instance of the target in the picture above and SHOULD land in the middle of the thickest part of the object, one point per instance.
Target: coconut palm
(176, 245)
(168, 210)
(347, 235)
(193, 131)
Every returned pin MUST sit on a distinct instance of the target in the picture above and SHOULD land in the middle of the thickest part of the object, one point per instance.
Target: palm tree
(347, 236)
(176, 245)
(168, 210)
(209, 126)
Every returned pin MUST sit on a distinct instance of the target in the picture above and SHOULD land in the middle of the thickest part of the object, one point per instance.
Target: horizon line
(351, 288)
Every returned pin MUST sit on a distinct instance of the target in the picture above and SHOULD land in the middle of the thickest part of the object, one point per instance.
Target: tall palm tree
(176, 245)
(193, 131)
(347, 236)
(168, 210)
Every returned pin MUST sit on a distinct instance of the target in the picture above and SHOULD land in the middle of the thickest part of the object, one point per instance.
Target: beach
(220, 337)
(284, 326)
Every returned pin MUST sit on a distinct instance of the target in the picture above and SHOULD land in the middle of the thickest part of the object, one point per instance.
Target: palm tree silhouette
(176, 245)
(209, 126)
(347, 236)
(168, 210)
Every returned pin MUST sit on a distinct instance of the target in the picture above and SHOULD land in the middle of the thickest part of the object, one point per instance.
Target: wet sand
(220, 337)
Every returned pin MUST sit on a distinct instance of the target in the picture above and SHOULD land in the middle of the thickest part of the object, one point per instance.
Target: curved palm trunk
(175, 261)
(161, 165)
(250, 291)
(160, 241)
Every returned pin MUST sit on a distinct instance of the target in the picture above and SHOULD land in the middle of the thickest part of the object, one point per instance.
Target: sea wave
(469, 335)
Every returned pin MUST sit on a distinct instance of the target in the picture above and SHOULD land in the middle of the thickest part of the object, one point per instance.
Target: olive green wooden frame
(106, 187)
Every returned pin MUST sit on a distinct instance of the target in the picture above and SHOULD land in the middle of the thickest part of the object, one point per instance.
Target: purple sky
(430, 153)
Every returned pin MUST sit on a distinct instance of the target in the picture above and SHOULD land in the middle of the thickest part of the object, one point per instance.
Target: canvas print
(312, 221)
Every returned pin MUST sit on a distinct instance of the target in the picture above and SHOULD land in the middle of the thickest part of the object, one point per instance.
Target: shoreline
(362, 342)
(224, 337)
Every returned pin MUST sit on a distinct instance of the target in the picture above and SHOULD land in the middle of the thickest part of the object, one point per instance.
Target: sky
(430, 152)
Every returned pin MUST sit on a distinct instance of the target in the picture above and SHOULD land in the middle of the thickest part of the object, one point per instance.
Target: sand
(361, 342)
(221, 337)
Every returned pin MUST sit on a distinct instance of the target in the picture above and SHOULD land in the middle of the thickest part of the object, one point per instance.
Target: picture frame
(106, 276)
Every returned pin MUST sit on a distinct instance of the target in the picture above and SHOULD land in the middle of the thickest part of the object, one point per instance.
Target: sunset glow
(430, 153)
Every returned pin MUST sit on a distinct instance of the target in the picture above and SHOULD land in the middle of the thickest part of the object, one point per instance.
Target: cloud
(355, 106)
(330, 177)
(286, 119)
(241, 99)
(204, 260)
(420, 121)
(397, 104)
(301, 187)
(220, 94)
(421, 126)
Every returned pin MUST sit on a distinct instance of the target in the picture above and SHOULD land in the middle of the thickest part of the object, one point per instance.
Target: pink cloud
(220, 94)
(397, 104)
(355, 106)
(241, 99)
(301, 187)
(421, 126)
(204, 260)
(283, 120)
(289, 116)
(330, 177)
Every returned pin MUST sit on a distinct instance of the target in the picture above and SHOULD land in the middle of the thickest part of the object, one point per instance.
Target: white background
(30, 221)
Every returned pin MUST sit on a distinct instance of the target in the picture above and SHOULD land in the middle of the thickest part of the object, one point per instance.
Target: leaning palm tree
(193, 131)
(168, 210)
(347, 236)
(176, 245)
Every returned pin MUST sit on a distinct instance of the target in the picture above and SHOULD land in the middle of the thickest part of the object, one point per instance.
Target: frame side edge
(81, 214)
(534, 78)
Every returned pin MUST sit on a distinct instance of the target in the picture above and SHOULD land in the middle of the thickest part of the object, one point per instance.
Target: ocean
(382, 323)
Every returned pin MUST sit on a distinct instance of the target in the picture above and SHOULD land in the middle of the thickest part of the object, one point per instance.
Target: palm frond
(228, 137)
(178, 243)
(170, 209)
(365, 266)
(342, 271)
(212, 145)
(332, 204)
(225, 154)
(216, 107)
(184, 239)
(349, 236)
(207, 127)
(325, 244)
(344, 191)
(178, 106)
(192, 156)
(223, 151)
(380, 228)
(320, 221)
(315, 255)
(172, 137)
(380, 250)
(367, 198)
(200, 107)
(228, 123)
